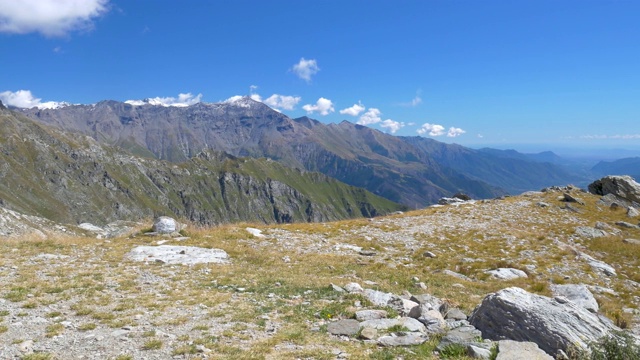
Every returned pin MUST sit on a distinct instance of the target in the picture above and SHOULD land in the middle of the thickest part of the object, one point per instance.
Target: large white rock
(507, 273)
(553, 324)
(515, 350)
(186, 255)
(624, 187)
(165, 225)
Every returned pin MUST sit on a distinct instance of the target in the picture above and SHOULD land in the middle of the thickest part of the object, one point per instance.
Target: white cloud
(416, 101)
(454, 132)
(234, 99)
(24, 99)
(49, 17)
(323, 107)
(372, 116)
(304, 69)
(284, 102)
(182, 100)
(355, 110)
(431, 129)
(392, 126)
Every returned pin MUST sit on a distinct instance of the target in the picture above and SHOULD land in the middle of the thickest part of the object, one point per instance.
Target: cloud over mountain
(182, 100)
(431, 129)
(372, 116)
(322, 106)
(24, 99)
(49, 17)
(391, 125)
(355, 110)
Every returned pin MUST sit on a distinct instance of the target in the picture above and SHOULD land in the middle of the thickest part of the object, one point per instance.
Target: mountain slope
(357, 155)
(626, 166)
(507, 169)
(48, 173)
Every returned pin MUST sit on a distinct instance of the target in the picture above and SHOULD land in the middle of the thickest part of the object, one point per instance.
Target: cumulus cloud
(372, 116)
(454, 132)
(284, 102)
(49, 17)
(24, 99)
(391, 125)
(355, 110)
(323, 107)
(304, 69)
(431, 129)
(182, 100)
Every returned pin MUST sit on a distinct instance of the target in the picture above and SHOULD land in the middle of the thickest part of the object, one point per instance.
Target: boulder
(579, 294)
(507, 273)
(598, 265)
(353, 288)
(344, 327)
(516, 350)
(515, 314)
(624, 187)
(463, 335)
(632, 212)
(590, 233)
(165, 225)
(433, 320)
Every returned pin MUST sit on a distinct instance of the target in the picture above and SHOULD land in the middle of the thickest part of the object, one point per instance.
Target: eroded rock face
(579, 294)
(515, 314)
(624, 187)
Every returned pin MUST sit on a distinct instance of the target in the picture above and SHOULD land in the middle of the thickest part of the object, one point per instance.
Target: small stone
(368, 333)
(26, 346)
(337, 288)
(409, 339)
(477, 352)
(367, 252)
(429, 254)
(364, 315)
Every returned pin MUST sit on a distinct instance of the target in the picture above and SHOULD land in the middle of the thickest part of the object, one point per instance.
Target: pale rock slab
(515, 314)
(186, 255)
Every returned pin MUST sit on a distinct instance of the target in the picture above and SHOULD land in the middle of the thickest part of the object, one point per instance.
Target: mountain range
(413, 171)
(72, 178)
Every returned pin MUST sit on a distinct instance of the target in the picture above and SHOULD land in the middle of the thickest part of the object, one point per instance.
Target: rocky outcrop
(623, 187)
(579, 294)
(552, 323)
(186, 255)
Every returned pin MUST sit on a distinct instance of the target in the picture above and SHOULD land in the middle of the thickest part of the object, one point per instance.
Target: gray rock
(507, 273)
(631, 241)
(572, 208)
(515, 350)
(404, 339)
(405, 307)
(450, 201)
(462, 335)
(589, 232)
(476, 352)
(569, 198)
(431, 301)
(337, 288)
(364, 315)
(515, 314)
(344, 327)
(368, 333)
(627, 225)
(186, 255)
(385, 324)
(624, 187)
(165, 225)
(379, 298)
(455, 314)
(255, 232)
(542, 204)
(433, 321)
(632, 212)
(455, 274)
(579, 294)
(598, 265)
(353, 288)
(429, 254)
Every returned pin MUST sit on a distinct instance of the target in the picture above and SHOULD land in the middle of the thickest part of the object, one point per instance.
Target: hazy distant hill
(71, 178)
(508, 169)
(626, 166)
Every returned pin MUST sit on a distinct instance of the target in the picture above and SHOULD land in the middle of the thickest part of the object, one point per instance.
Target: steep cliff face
(357, 155)
(65, 178)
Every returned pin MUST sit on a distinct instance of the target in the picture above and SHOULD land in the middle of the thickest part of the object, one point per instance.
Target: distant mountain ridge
(626, 166)
(403, 169)
(71, 179)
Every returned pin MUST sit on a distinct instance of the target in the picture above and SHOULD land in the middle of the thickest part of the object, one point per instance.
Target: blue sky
(530, 75)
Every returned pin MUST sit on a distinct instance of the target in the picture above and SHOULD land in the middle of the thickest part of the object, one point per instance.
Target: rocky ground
(285, 291)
